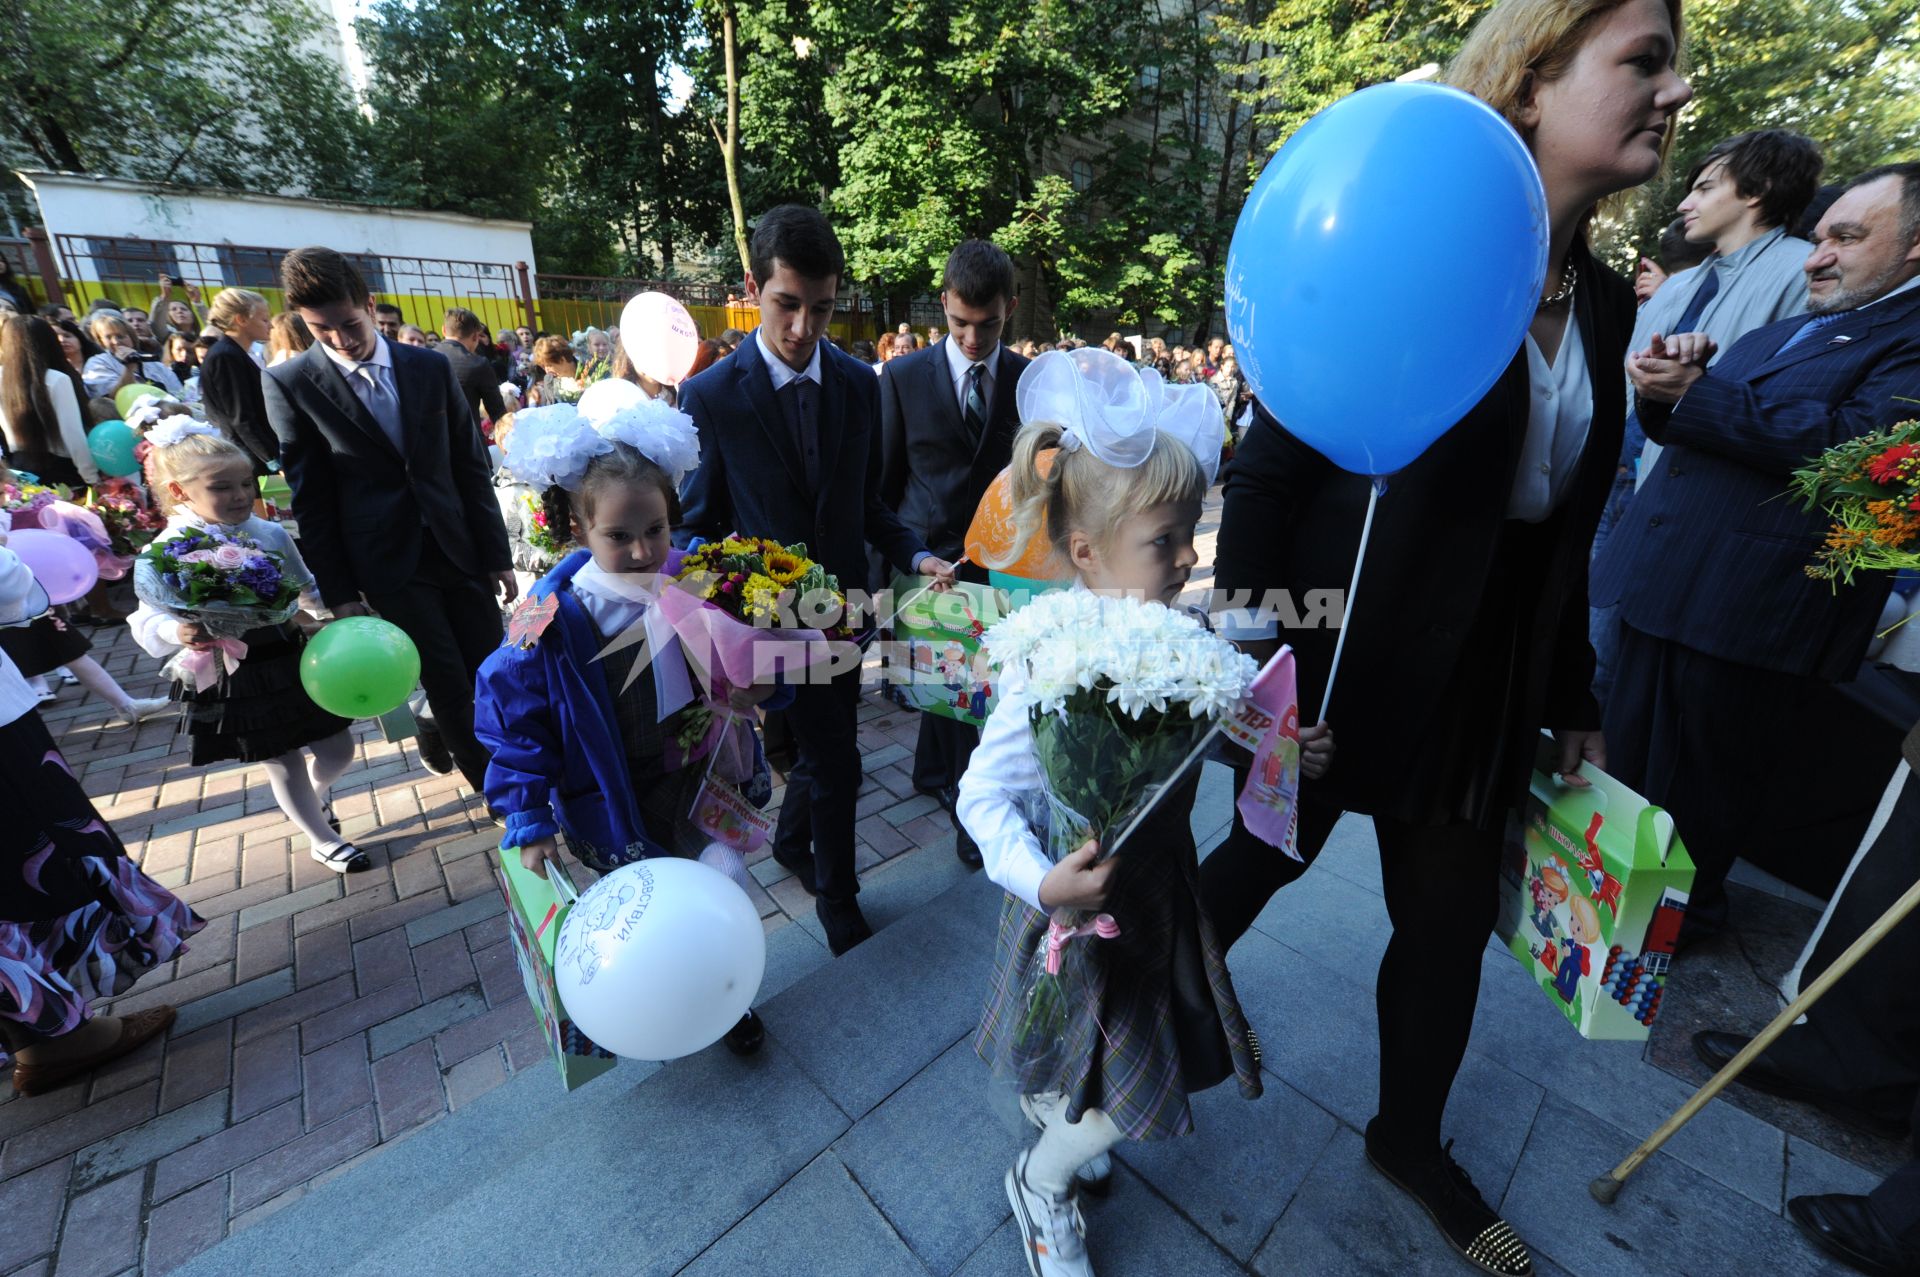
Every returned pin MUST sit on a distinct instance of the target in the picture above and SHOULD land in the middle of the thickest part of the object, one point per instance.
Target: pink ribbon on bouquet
(722, 646)
(1058, 934)
(201, 666)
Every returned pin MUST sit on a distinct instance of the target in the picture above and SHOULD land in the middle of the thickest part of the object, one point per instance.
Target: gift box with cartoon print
(937, 637)
(1594, 885)
(535, 910)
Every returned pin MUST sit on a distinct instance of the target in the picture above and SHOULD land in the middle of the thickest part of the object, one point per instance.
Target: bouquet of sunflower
(1870, 487)
(747, 609)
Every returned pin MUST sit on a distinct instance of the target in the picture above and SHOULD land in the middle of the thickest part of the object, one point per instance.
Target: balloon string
(914, 596)
(1353, 590)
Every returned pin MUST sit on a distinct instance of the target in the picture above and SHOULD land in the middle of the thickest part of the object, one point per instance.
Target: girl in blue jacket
(590, 712)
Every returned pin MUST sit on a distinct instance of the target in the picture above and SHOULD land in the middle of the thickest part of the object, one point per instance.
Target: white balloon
(606, 397)
(660, 336)
(660, 958)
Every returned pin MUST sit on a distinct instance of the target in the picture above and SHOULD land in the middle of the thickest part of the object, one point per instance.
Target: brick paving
(320, 1017)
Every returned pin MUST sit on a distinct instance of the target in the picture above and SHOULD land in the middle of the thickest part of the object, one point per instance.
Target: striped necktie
(1811, 327)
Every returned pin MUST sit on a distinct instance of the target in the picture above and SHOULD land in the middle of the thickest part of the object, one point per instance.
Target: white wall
(108, 208)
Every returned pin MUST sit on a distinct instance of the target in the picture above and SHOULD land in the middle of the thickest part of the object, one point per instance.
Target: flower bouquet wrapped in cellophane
(223, 581)
(1870, 487)
(1122, 695)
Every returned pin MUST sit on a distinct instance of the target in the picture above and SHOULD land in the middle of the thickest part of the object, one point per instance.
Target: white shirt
(1560, 413)
(102, 373)
(777, 367)
(72, 440)
(16, 592)
(613, 602)
(957, 366)
(1003, 765)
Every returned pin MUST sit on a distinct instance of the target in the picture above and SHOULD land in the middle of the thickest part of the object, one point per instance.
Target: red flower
(1914, 505)
(1885, 468)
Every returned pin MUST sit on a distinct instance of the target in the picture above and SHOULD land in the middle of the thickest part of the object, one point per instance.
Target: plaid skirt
(1161, 1020)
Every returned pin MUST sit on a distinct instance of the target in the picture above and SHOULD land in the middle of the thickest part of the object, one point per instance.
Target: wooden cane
(1607, 1187)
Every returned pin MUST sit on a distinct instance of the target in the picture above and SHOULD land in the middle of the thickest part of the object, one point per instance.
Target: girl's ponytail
(1034, 494)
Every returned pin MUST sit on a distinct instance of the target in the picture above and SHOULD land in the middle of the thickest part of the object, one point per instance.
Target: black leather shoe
(1449, 1197)
(801, 869)
(963, 844)
(433, 750)
(846, 925)
(745, 1037)
(1717, 1048)
(1847, 1228)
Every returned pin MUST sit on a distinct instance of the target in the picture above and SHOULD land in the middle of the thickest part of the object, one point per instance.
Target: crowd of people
(1600, 549)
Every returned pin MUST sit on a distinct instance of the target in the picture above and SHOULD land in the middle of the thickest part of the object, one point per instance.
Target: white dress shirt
(957, 366)
(777, 367)
(1560, 413)
(1003, 766)
(613, 602)
(72, 441)
(382, 359)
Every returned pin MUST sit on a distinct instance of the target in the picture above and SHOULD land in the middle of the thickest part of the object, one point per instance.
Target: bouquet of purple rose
(225, 582)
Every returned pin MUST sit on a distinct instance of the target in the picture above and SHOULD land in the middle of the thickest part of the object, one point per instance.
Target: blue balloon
(111, 443)
(1385, 269)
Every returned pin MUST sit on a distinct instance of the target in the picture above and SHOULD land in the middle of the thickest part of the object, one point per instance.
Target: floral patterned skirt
(78, 920)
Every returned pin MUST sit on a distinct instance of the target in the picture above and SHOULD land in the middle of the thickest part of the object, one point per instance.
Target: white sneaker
(140, 709)
(1051, 1230)
(1093, 1176)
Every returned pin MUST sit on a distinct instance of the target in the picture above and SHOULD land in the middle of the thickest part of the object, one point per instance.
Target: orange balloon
(991, 534)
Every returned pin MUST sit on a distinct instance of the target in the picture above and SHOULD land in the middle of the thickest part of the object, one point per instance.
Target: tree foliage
(188, 91)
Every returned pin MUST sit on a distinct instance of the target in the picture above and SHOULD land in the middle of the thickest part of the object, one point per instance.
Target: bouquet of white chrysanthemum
(1124, 692)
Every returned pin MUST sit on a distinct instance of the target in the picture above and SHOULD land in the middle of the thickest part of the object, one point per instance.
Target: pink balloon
(660, 337)
(64, 567)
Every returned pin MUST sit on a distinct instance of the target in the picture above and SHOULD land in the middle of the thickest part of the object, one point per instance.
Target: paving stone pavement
(356, 1084)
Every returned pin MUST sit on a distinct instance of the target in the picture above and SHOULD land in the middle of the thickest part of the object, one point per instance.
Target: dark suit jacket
(1292, 521)
(362, 506)
(230, 389)
(477, 378)
(930, 472)
(1713, 553)
(751, 479)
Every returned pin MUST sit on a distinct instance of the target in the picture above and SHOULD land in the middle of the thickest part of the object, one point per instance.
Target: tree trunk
(730, 146)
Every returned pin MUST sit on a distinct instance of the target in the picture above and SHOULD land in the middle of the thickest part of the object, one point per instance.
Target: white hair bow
(1103, 403)
(178, 427)
(553, 444)
(623, 412)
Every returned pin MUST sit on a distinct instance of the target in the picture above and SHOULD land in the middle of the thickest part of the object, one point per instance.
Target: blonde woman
(120, 362)
(230, 375)
(1438, 729)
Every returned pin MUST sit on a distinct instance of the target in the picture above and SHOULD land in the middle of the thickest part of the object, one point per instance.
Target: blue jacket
(557, 763)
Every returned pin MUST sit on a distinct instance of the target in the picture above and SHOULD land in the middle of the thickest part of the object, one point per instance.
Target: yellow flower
(785, 566)
(760, 595)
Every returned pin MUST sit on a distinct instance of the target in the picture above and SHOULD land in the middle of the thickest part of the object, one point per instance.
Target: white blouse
(1004, 766)
(1560, 402)
(72, 440)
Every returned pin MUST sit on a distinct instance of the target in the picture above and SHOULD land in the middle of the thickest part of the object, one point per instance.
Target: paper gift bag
(1594, 885)
(936, 635)
(535, 909)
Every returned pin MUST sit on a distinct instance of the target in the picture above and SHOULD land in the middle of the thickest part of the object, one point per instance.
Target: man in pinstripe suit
(1724, 636)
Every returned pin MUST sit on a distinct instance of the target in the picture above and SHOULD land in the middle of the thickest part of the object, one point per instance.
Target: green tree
(189, 91)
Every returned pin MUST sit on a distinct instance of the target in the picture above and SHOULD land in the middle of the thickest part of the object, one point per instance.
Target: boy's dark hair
(460, 323)
(1677, 252)
(800, 237)
(313, 277)
(387, 308)
(979, 272)
(1778, 167)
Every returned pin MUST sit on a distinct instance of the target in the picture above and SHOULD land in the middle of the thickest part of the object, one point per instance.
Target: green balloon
(123, 398)
(360, 667)
(111, 443)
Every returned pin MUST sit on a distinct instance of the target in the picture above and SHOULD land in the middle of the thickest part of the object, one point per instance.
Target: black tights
(1442, 890)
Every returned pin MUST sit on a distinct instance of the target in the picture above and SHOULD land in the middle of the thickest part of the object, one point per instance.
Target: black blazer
(1292, 521)
(477, 378)
(362, 506)
(1712, 553)
(751, 479)
(230, 389)
(930, 472)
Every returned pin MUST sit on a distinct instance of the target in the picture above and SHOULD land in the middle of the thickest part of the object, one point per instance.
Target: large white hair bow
(177, 427)
(624, 413)
(1104, 404)
(553, 444)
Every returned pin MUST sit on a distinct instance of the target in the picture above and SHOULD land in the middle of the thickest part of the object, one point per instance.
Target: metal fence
(77, 270)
